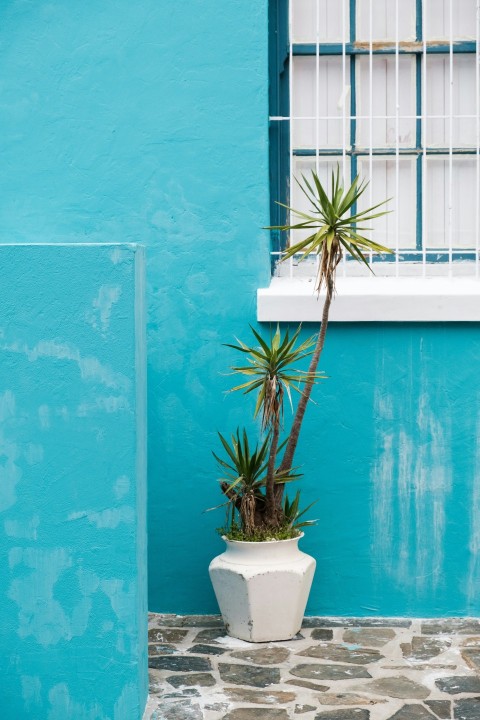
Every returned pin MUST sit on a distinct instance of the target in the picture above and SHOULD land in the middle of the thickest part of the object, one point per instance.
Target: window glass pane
(383, 127)
(438, 101)
(325, 133)
(463, 183)
(437, 19)
(383, 185)
(324, 168)
(327, 26)
(383, 16)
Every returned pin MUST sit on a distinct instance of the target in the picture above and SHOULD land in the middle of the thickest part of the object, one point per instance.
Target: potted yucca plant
(262, 581)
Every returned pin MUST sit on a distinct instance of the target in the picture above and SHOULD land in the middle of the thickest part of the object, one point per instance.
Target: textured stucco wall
(72, 483)
(148, 122)
(392, 452)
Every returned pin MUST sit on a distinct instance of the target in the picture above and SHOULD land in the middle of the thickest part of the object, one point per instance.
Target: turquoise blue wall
(392, 451)
(73, 598)
(148, 122)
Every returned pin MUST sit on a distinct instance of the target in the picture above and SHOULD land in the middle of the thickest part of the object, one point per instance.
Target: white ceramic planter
(262, 588)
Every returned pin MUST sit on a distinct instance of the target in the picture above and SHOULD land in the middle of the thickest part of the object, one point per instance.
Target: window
(388, 89)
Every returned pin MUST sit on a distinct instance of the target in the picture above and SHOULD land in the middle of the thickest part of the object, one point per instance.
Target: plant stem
(271, 509)
(287, 460)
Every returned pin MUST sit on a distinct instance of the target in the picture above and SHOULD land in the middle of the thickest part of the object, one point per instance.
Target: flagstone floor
(336, 669)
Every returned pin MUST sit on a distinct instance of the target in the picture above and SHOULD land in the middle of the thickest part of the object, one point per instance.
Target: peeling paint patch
(432, 477)
(7, 405)
(99, 315)
(121, 645)
(122, 601)
(108, 404)
(121, 487)
(118, 256)
(127, 704)
(31, 692)
(63, 706)
(473, 579)
(90, 367)
(383, 493)
(44, 416)
(62, 412)
(14, 557)
(41, 614)
(88, 581)
(33, 453)
(26, 529)
(10, 472)
(109, 518)
(412, 480)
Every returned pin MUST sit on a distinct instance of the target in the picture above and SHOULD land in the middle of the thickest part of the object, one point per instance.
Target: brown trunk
(256, 511)
(287, 460)
(272, 509)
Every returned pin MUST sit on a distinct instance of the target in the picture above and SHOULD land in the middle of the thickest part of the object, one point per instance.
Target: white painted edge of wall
(373, 299)
(70, 244)
(150, 707)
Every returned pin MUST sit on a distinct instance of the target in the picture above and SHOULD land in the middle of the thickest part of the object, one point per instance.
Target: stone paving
(335, 669)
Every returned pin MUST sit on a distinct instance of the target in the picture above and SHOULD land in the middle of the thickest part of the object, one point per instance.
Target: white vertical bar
(317, 97)
(370, 154)
(345, 96)
(477, 106)
(290, 108)
(450, 150)
(424, 117)
(317, 85)
(397, 147)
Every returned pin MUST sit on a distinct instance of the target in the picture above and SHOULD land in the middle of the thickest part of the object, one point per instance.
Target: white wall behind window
(437, 19)
(438, 101)
(384, 101)
(328, 23)
(382, 14)
(329, 103)
(402, 206)
(463, 202)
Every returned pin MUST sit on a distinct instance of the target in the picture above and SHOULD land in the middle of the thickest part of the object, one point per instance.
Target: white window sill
(373, 299)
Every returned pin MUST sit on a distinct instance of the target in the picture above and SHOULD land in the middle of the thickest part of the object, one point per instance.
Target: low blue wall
(72, 483)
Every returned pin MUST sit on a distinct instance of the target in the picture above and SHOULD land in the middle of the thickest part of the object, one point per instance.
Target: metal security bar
(390, 90)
